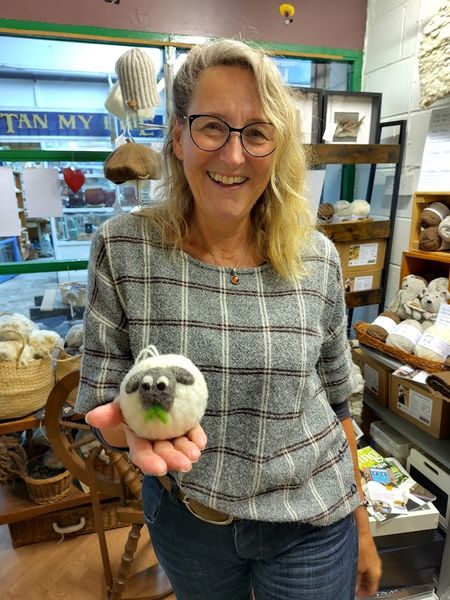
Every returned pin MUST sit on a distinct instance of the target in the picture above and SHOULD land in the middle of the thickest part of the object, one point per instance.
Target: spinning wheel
(63, 427)
(63, 424)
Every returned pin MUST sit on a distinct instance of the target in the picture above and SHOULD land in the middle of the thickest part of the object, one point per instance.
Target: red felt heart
(74, 178)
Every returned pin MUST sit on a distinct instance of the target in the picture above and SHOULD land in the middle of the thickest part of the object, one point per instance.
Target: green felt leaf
(156, 412)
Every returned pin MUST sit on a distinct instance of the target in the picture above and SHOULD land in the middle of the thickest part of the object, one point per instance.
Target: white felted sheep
(405, 336)
(162, 396)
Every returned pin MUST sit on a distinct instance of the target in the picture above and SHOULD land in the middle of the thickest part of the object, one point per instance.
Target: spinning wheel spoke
(68, 433)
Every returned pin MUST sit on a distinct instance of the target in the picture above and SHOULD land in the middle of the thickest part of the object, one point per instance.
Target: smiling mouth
(225, 180)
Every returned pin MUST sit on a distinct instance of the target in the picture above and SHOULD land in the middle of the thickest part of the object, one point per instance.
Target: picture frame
(309, 103)
(351, 117)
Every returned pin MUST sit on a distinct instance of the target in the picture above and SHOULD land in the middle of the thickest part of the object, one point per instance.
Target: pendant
(234, 279)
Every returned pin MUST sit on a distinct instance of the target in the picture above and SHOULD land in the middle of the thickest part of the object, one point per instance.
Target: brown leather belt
(199, 510)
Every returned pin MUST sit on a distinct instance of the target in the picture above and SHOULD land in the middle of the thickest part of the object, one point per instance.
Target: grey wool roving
(137, 79)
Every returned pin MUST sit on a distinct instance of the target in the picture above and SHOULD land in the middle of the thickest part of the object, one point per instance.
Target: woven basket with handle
(24, 389)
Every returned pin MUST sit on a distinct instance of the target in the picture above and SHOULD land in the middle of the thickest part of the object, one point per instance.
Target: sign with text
(52, 124)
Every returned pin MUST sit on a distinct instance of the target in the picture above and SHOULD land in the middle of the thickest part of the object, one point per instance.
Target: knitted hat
(132, 161)
(137, 80)
(114, 103)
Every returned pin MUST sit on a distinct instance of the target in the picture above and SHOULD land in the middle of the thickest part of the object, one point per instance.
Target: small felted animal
(162, 396)
(413, 286)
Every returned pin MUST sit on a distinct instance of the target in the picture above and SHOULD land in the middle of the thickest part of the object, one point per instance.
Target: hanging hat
(132, 161)
(137, 80)
(114, 103)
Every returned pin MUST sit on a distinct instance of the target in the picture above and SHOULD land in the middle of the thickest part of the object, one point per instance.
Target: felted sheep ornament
(163, 395)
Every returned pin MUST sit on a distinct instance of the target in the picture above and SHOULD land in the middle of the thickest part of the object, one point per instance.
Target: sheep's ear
(183, 375)
(132, 384)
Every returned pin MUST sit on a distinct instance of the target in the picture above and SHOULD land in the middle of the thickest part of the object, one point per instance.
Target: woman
(230, 271)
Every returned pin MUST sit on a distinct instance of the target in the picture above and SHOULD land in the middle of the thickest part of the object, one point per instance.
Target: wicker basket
(430, 366)
(24, 389)
(52, 489)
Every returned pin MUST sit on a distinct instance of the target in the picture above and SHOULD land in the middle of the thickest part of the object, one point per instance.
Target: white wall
(390, 66)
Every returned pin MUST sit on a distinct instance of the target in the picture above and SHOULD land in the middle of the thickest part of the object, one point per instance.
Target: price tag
(329, 132)
(443, 317)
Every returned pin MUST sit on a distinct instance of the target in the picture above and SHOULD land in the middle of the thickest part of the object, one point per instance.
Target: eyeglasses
(211, 133)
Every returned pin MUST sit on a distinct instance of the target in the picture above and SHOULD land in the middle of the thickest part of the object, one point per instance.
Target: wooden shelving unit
(365, 154)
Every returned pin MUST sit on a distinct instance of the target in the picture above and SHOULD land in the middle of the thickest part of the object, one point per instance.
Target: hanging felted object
(132, 161)
(74, 178)
(137, 80)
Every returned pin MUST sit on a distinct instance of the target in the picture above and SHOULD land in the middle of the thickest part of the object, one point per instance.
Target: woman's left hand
(369, 566)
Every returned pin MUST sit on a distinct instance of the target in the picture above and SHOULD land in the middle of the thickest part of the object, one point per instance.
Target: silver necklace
(234, 277)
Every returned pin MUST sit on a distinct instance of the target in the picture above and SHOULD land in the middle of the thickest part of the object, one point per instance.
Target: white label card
(363, 254)
(443, 316)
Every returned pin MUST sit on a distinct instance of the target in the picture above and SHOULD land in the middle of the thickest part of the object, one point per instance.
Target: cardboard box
(366, 255)
(376, 376)
(360, 279)
(415, 403)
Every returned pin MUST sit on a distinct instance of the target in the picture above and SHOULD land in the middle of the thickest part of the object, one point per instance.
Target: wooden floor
(68, 570)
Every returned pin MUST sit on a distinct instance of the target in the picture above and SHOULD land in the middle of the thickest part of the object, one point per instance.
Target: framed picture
(309, 105)
(351, 117)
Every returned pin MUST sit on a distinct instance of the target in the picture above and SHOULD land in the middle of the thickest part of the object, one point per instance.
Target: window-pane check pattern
(274, 355)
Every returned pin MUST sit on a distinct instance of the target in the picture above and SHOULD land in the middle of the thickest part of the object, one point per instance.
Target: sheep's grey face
(158, 387)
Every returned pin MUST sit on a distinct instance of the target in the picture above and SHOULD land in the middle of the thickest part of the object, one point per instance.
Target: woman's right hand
(151, 457)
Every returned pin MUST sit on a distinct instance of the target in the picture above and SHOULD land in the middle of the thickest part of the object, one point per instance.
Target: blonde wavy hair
(281, 218)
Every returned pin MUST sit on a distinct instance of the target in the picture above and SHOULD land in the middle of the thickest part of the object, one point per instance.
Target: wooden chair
(62, 423)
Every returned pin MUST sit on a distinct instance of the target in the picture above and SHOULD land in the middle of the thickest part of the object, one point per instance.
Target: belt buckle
(227, 521)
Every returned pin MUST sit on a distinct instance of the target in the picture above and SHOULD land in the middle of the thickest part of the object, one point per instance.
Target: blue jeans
(275, 561)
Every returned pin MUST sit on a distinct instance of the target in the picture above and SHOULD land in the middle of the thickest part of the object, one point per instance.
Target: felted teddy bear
(412, 287)
(162, 396)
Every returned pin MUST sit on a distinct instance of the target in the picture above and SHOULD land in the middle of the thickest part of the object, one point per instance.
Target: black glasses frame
(240, 130)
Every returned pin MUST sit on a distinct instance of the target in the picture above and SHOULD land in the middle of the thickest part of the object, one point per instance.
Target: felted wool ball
(360, 209)
(383, 325)
(405, 336)
(342, 211)
(430, 240)
(325, 212)
(433, 214)
(434, 344)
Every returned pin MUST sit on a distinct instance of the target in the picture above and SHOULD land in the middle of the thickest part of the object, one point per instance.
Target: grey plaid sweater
(274, 355)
